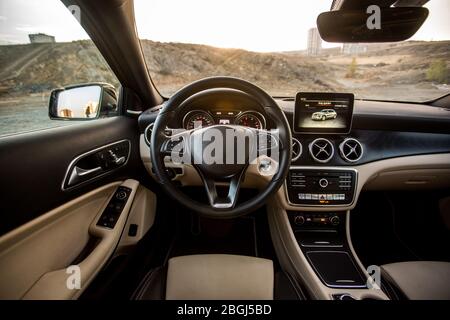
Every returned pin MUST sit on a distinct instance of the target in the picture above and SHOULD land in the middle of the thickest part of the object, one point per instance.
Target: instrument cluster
(204, 118)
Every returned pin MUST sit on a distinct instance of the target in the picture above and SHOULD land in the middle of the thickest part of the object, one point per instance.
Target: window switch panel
(114, 208)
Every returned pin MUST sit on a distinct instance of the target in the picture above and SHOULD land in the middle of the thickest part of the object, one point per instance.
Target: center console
(322, 239)
(321, 187)
(310, 219)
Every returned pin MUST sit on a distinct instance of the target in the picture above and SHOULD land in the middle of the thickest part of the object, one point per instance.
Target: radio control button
(323, 183)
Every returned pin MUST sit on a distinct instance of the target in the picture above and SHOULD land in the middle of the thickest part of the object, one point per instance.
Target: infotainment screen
(323, 112)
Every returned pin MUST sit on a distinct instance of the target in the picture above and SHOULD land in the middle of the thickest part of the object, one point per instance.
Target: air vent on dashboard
(322, 150)
(297, 149)
(148, 134)
(351, 150)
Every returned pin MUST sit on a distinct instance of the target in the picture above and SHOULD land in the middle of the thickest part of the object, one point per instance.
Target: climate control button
(299, 220)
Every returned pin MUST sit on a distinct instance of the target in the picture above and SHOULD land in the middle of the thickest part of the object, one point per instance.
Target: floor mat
(210, 236)
(399, 226)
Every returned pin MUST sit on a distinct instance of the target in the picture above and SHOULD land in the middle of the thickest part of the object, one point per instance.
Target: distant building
(41, 38)
(314, 42)
(354, 48)
(334, 51)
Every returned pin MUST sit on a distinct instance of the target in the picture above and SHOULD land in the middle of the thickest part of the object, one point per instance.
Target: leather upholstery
(418, 280)
(214, 277)
(219, 276)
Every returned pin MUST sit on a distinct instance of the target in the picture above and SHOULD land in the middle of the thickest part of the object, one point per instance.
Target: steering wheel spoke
(268, 141)
(228, 198)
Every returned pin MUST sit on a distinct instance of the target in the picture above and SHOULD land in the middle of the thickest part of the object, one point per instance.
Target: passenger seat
(417, 280)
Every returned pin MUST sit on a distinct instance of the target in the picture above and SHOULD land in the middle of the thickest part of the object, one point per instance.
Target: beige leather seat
(219, 276)
(210, 277)
(417, 280)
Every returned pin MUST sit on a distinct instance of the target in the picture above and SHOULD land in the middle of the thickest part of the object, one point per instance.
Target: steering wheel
(191, 145)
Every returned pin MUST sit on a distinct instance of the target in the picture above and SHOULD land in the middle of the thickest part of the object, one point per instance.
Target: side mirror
(83, 102)
(394, 24)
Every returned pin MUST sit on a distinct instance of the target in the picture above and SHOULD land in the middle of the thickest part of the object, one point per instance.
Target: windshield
(274, 44)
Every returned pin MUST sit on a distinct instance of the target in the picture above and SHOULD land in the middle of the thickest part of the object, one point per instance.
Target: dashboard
(346, 144)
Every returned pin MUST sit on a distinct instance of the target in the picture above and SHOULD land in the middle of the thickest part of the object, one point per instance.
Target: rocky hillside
(174, 64)
(38, 68)
(42, 67)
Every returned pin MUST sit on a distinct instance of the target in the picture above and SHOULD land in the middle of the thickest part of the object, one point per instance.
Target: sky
(257, 25)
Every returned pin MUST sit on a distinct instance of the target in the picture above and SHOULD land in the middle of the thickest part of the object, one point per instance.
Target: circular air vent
(351, 150)
(297, 149)
(148, 134)
(321, 150)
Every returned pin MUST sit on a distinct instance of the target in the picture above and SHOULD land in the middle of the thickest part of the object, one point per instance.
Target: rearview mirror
(380, 25)
(83, 102)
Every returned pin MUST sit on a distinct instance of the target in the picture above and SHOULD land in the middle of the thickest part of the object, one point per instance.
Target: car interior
(342, 198)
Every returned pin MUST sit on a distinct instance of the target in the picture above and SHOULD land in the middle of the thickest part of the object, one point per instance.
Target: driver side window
(42, 48)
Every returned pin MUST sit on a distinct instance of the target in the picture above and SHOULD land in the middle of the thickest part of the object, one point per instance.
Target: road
(27, 113)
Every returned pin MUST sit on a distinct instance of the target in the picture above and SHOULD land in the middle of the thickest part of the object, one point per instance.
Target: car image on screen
(323, 115)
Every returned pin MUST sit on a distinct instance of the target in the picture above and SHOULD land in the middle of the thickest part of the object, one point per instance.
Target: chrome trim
(301, 149)
(346, 295)
(145, 133)
(322, 245)
(134, 112)
(341, 149)
(325, 169)
(192, 111)
(258, 114)
(314, 157)
(76, 159)
(82, 172)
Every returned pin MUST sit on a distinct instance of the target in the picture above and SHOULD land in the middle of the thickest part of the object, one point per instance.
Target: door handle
(120, 161)
(96, 163)
(79, 174)
(85, 172)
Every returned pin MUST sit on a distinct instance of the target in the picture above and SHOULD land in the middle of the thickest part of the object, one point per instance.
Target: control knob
(323, 183)
(334, 220)
(299, 220)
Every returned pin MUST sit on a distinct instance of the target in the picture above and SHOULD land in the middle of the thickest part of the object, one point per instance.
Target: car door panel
(34, 257)
(34, 165)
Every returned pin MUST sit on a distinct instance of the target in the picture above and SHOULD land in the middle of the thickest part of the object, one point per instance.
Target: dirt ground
(25, 114)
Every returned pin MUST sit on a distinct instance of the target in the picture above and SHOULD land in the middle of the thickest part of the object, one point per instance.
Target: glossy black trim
(385, 129)
(379, 145)
(391, 116)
